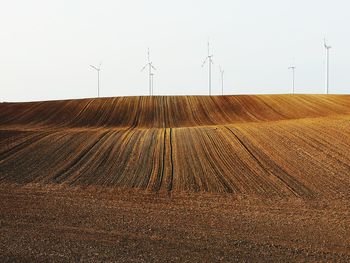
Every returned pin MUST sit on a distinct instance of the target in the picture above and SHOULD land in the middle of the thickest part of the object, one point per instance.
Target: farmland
(230, 178)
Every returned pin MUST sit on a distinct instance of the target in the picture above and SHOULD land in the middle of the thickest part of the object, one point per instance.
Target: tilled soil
(176, 179)
(96, 225)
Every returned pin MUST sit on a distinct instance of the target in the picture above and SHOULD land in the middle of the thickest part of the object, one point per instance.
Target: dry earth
(176, 179)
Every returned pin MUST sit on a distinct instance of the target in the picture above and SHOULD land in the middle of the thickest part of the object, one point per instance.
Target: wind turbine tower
(98, 69)
(150, 73)
(293, 72)
(209, 58)
(222, 72)
(327, 47)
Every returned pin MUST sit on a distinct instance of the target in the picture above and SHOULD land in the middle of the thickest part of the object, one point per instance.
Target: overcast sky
(46, 46)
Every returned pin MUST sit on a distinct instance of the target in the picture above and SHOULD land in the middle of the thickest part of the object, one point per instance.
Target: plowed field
(227, 178)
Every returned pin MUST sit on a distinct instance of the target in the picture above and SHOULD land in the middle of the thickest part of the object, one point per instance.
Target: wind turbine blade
(205, 61)
(144, 67)
(209, 46)
(94, 67)
(153, 67)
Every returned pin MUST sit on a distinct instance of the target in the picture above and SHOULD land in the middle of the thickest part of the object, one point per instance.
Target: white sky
(46, 46)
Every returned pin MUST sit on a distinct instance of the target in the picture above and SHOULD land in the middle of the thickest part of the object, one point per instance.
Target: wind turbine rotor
(325, 44)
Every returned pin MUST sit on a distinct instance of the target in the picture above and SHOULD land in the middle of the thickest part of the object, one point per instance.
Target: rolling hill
(262, 145)
(238, 172)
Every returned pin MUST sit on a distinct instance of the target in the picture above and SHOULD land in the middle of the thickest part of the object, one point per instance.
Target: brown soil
(184, 179)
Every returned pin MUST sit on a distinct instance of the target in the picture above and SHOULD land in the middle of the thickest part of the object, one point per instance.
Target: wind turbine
(293, 71)
(150, 73)
(327, 64)
(222, 79)
(98, 69)
(209, 58)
